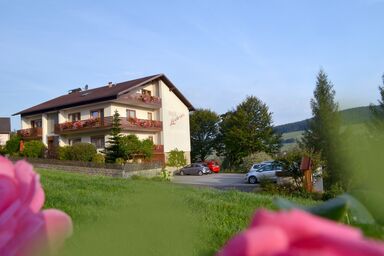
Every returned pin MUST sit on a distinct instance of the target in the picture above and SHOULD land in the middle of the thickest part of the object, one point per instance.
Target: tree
(204, 130)
(112, 150)
(377, 123)
(129, 146)
(323, 136)
(248, 129)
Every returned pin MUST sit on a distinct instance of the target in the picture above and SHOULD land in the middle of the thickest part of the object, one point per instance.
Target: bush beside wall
(34, 149)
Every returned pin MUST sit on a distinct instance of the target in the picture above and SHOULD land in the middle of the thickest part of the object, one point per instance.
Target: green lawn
(143, 217)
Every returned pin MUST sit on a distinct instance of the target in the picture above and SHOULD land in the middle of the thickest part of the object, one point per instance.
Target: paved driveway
(220, 181)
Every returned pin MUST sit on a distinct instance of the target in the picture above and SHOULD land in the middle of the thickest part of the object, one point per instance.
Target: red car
(213, 166)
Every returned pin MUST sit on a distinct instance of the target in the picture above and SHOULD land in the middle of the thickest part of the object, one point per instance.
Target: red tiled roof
(100, 94)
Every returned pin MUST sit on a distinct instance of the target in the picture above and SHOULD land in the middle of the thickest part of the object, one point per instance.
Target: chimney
(110, 84)
(86, 88)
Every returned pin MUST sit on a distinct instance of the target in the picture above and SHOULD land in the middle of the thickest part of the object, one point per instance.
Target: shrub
(83, 151)
(3, 152)
(251, 159)
(120, 160)
(165, 175)
(176, 158)
(12, 146)
(34, 149)
(129, 146)
(64, 153)
(146, 148)
(98, 159)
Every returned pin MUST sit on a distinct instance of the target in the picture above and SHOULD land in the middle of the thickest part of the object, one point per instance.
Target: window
(146, 92)
(74, 141)
(149, 116)
(131, 113)
(72, 117)
(267, 168)
(98, 141)
(99, 113)
(36, 123)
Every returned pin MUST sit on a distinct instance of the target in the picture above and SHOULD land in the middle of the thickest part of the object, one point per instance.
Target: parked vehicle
(195, 169)
(265, 171)
(213, 166)
(257, 166)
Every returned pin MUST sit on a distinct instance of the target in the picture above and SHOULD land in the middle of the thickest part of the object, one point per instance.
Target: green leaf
(334, 209)
(358, 211)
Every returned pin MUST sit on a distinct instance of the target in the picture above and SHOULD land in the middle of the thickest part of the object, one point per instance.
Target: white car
(257, 166)
(266, 171)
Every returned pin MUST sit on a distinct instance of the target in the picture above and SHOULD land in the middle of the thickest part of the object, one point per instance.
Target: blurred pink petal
(23, 225)
(296, 233)
(58, 225)
(300, 224)
(31, 192)
(246, 243)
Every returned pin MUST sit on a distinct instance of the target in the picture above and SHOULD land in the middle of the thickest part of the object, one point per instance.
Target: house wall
(141, 113)
(85, 111)
(26, 120)
(173, 113)
(4, 138)
(175, 117)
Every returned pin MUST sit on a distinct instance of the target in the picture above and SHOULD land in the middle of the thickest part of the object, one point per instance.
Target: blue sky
(216, 52)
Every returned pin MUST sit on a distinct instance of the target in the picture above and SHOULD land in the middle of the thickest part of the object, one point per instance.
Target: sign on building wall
(175, 117)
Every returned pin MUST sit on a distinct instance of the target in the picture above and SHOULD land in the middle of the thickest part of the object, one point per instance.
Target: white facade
(4, 138)
(172, 112)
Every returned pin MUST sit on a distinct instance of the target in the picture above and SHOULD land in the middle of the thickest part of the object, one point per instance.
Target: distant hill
(348, 116)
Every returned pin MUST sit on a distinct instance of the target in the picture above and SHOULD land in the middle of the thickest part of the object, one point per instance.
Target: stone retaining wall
(99, 171)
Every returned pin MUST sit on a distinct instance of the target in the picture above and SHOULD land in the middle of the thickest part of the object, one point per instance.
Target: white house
(149, 107)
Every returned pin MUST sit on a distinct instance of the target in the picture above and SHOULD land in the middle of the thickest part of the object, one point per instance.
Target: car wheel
(252, 180)
(200, 173)
(182, 173)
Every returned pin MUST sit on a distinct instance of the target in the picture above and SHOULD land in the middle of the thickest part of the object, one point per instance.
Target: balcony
(98, 124)
(30, 133)
(141, 100)
(158, 149)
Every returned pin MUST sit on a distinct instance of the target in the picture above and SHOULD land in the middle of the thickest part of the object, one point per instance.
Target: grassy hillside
(348, 117)
(354, 118)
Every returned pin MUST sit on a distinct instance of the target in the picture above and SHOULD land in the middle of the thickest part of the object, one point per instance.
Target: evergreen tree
(112, 150)
(204, 130)
(248, 129)
(323, 136)
(377, 123)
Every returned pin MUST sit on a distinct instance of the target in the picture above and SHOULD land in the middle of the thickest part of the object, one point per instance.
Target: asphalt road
(219, 181)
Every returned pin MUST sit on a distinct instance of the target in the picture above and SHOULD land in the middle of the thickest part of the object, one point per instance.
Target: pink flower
(297, 232)
(24, 228)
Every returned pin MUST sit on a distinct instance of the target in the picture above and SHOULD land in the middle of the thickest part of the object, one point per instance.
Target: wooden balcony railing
(106, 123)
(30, 133)
(142, 100)
(158, 148)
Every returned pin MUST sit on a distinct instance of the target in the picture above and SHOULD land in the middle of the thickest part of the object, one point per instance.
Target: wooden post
(306, 168)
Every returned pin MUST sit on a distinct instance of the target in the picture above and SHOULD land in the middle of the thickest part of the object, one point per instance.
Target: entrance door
(53, 144)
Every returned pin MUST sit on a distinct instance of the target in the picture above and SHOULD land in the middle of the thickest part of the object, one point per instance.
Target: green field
(144, 217)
